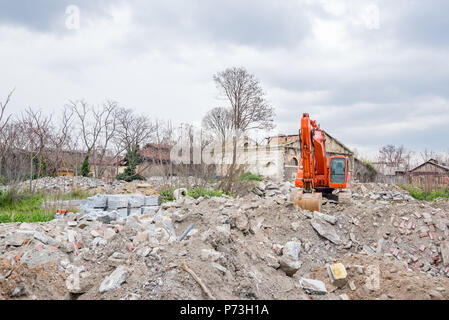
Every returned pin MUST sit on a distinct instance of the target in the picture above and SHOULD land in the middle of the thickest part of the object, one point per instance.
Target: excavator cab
(339, 176)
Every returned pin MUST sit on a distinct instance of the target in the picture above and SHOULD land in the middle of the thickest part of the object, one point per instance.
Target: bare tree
(163, 138)
(219, 121)
(248, 108)
(36, 126)
(109, 121)
(426, 155)
(3, 118)
(61, 138)
(133, 131)
(98, 127)
(392, 156)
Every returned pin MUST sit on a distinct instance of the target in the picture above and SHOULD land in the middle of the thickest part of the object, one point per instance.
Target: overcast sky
(371, 72)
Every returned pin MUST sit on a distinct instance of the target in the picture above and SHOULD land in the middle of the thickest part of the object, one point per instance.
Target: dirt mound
(251, 247)
(43, 282)
(395, 281)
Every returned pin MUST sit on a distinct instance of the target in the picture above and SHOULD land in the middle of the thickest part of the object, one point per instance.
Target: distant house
(155, 160)
(65, 172)
(387, 173)
(431, 170)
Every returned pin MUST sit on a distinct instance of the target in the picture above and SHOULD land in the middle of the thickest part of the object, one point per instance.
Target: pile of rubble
(251, 247)
(379, 191)
(64, 185)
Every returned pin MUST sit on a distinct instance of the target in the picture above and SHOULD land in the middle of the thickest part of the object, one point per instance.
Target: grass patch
(423, 195)
(22, 207)
(76, 194)
(201, 192)
(248, 176)
(167, 194)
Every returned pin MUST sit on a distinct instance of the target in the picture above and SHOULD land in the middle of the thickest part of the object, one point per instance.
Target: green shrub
(201, 192)
(132, 159)
(167, 194)
(3, 180)
(85, 171)
(250, 176)
(423, 195)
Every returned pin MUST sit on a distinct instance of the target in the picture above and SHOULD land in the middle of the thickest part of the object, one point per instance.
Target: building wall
(362, 172)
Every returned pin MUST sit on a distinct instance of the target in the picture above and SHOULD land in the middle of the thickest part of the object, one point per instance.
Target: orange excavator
(317, 174)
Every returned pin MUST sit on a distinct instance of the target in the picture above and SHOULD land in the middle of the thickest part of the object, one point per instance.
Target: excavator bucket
(307, 201)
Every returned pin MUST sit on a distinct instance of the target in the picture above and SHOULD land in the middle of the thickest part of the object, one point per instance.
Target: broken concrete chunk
(18, 238)
(325, 230)
(444, 246)
(42, 254)
(292, 249)
(352, 285)
(241, 221)
(210, 255)
(325, 217)
(337, 274)
(289, 266)
(219, 267)
(142, 237)
(144, 252)
(43, 238)
(373, 281)
(115, 279)
(312, 286)
(109, 234)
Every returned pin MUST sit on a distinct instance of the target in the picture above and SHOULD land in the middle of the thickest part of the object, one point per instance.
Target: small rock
(289, 266)
(19, 290)
(141, 237)
(352, 285)
(109, 234)
(337, 274)
(373, 280)
(444, 247)
(219, 267)
(312, 286)
(325, 230)
(115, 279)
(292, 249)
(325, 217)
(210, 255)
(435, 295)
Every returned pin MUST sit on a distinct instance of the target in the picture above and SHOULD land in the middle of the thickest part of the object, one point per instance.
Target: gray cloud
(368, 87)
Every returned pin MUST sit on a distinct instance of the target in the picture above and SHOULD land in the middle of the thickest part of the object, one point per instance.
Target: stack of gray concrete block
(123, 204)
